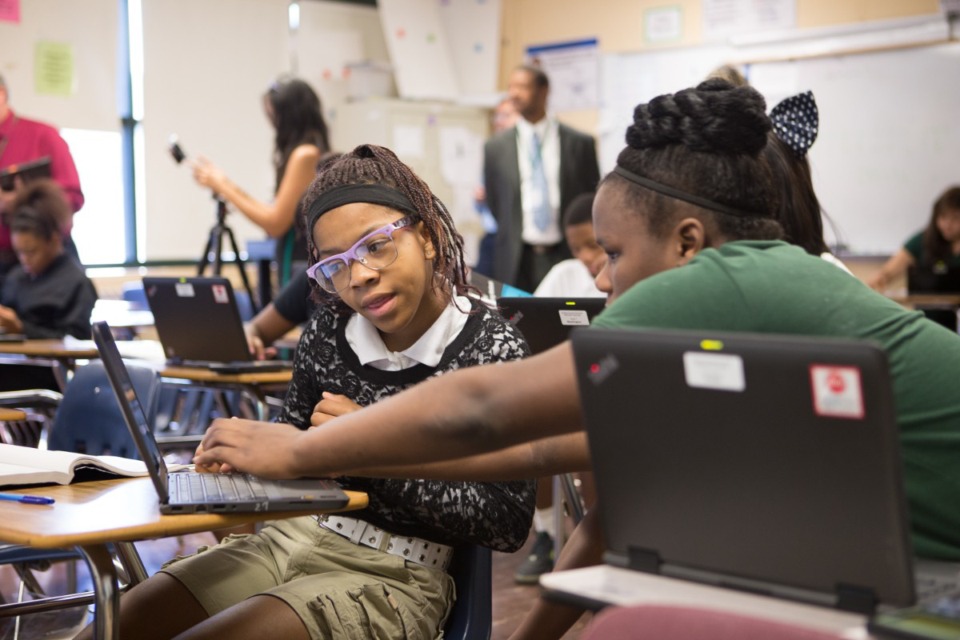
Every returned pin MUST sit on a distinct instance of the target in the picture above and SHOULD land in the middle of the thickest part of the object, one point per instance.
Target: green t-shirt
(773, 287)
(914, 246)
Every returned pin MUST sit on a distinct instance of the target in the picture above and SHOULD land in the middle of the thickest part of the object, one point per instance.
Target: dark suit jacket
(579, 173)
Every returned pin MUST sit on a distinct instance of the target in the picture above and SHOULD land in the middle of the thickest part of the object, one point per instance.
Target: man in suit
(531, 172)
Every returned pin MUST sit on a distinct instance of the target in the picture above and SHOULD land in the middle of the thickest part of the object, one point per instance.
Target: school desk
(11, 415)
(253, 385)
(61, 355)
(601, 586)
(92, 516)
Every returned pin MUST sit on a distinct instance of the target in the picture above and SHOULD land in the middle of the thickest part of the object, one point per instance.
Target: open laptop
(933, 279)
(193, 492)
(768, 464)
(198, 323)
(546, 322)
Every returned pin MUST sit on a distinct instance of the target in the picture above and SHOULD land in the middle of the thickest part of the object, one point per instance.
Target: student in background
(575, 277)
(684, 251)
(572, 278)
(939, 243)
(48, 295)
(393, 312)
(301, 140)
(25, 140)
(290, 308)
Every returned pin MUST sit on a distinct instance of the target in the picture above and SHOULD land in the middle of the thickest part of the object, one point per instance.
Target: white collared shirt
(364, 338)
(549, 135)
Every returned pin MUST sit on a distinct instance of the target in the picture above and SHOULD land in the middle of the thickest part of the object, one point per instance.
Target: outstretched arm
(463, 413)
(892, 269)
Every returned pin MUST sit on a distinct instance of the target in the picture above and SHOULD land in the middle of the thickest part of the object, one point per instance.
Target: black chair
(472, 615)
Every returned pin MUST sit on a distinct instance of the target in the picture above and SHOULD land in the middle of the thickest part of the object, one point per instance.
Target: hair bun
(714, 117)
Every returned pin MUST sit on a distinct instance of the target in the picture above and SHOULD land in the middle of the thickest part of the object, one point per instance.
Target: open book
(26, 465)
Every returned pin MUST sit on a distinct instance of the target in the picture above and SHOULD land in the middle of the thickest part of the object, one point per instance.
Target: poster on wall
(725, 18)
(574, 72)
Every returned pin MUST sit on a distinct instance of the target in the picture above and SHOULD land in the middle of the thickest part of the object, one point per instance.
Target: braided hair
(371, 164)
(705, 141)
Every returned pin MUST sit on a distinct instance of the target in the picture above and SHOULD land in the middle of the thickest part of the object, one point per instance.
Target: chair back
(690, 623)
(89, 419)
(472, 615)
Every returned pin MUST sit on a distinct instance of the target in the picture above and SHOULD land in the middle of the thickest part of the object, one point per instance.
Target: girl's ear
(428, 251)
(691, 239)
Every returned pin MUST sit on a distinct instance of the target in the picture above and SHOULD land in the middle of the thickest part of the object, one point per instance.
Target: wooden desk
(11, 415)
(121, 314)
(252, 384)
(91, 515)
(928, 300)
(63, 353)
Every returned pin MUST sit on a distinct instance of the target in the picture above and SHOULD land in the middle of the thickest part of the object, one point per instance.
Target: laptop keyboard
(215, 487)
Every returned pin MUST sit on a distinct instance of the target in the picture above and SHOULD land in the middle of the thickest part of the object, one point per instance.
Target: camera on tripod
(218, 233)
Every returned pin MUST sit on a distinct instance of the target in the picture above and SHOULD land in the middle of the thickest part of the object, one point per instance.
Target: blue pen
(19, 497)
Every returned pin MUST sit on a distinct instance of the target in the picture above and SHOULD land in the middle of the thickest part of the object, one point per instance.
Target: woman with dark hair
(938, 244)
(300, 142)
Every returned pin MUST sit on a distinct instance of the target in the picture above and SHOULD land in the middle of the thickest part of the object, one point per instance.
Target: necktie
(540, 205)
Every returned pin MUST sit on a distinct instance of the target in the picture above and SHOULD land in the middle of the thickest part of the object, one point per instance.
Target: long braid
(371, 164)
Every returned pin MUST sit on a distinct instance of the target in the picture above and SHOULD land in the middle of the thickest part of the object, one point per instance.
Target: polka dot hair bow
(796, 121)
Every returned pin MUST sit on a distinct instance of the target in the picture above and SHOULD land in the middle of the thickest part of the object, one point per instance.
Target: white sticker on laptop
(574, 318)
(837, 391)
(220, 293)
(719, 371)
(184, 290)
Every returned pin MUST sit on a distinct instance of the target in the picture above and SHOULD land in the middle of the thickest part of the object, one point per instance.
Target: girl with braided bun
(687, 220)
(392, 312)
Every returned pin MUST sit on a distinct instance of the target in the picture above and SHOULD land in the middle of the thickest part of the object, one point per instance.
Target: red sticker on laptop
(220, 293)
(837, 391)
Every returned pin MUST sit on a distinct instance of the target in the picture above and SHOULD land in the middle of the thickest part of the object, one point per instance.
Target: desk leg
(130, 559)
(107, 596)
(259, 401)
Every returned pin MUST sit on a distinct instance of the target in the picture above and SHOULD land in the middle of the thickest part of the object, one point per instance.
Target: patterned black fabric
(796, 121)
(492, 514)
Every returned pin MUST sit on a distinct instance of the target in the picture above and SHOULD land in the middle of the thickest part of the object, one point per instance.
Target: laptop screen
(748, 460)
(133, 412)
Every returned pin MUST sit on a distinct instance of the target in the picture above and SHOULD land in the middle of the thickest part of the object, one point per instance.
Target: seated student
(392, 314)
(687, 222)
(575, 276)
(48, 295)
(939, 243)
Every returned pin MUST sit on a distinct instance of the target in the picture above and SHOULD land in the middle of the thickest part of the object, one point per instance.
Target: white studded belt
(423, 552)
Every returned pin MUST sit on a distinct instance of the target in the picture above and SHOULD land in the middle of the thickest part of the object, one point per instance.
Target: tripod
(215, 244)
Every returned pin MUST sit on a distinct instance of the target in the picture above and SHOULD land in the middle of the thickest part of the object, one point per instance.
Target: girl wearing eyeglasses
(393, 311)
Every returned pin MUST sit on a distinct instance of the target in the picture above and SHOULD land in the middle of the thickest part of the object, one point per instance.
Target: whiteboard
(889, 140)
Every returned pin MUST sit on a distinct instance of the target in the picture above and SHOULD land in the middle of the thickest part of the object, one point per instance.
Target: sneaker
(539, 561)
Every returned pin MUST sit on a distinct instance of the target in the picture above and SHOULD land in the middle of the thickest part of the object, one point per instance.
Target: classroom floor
(510, 600)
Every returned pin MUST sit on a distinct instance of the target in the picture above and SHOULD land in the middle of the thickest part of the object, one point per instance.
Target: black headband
(350, 193)
(673, 192)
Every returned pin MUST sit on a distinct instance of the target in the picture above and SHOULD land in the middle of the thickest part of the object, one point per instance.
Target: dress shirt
(549, 136)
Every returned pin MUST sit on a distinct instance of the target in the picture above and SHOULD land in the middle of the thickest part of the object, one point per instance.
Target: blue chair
(472, 615)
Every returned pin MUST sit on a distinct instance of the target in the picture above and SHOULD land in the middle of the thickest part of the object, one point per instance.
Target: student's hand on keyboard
(264, 449)
(331, 406)
(213, 467)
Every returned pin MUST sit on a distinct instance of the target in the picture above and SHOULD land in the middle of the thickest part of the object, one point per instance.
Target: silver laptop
(191, 492)
(198, 323)
(763, 463)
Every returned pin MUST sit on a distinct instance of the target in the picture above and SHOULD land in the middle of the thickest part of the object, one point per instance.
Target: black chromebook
(192, 492)
(765, 463)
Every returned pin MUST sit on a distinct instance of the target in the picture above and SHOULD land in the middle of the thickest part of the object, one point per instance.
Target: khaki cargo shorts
(340, 590)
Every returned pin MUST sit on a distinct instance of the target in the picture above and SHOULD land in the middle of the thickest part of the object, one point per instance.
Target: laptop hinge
(856, 599)
(646, 560)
